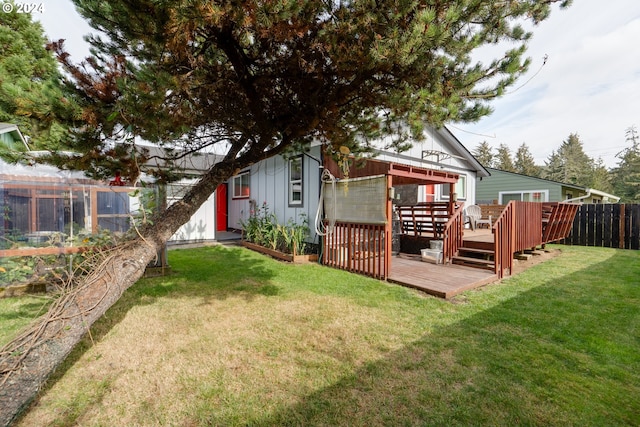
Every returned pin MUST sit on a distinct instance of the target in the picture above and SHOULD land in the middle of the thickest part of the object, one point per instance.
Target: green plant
(16, 269)
(262, 228)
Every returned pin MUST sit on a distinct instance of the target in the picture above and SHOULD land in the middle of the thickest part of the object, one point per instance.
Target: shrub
(262, 228)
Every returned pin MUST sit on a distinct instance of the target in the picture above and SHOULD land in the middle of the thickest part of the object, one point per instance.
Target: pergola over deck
(365, 247)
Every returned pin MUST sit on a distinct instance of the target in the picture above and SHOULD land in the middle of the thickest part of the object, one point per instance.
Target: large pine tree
(570, 164)
(31, 93)
(626, 174)
(524, 162)
(484, 154)
(259, 78)
(503, 159)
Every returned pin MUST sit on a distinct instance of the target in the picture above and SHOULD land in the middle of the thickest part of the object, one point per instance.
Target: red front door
(221, 207)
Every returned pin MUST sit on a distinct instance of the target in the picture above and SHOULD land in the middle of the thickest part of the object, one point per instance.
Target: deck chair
(473, 215)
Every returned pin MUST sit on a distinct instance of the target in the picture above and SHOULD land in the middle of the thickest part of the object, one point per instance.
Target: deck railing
(519, 227)
(453, 234)
(558, 220)
(503, 241)
(526, 225)
(360, 248)
(424, 219)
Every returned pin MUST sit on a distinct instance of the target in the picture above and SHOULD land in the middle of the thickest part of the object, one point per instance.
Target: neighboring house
(290, 187)
(502, 186)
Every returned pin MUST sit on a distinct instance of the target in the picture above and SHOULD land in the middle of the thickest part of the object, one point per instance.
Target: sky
(589, 85)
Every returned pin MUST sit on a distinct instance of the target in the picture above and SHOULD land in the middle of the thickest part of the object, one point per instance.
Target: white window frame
(238, 184)
(544, 193)
(460, 189)
(296, 185)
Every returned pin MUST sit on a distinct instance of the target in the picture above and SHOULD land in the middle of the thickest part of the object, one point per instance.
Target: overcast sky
(590, 84)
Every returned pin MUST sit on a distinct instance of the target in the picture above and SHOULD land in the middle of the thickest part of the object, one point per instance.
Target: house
(503, 186)
(364, 211)
(291, 186)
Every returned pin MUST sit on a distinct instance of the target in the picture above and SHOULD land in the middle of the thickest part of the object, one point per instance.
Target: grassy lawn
(18, 313)
(235, 338)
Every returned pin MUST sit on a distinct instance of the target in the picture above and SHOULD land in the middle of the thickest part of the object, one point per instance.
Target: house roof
(456, 150)
(462, 151)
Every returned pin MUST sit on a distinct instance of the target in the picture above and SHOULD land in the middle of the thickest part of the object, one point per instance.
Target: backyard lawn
(235, 338)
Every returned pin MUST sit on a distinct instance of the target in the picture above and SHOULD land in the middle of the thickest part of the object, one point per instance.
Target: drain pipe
(590, 192)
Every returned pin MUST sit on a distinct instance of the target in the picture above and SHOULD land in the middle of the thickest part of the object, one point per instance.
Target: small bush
(262, 228)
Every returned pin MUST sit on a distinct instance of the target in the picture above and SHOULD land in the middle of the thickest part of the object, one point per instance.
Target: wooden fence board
(635, 227)
(610, 225)
(591, 225)
(599, 225)
(615, 227)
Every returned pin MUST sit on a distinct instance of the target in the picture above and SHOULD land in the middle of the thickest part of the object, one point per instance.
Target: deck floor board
(444, 281)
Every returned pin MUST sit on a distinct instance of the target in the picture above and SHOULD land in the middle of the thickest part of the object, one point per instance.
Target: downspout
(576, 199)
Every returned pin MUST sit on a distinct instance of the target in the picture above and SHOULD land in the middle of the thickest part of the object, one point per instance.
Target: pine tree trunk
(66, 324)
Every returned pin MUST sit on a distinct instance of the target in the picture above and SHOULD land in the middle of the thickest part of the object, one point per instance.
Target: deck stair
(476, 254)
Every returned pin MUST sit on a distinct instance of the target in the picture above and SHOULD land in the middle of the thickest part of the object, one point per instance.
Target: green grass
(17, 313)
(235, 338)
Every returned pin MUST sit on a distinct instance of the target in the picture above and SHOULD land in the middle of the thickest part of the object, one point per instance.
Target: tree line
(571, 165)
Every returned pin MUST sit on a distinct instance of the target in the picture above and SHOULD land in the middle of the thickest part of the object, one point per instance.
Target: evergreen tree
(503, 159)
(626, 175)
(524, 162)
(256, 79)
(484, 154)
(554, 167)
(570, 164)
(31, 93)
(601, 178)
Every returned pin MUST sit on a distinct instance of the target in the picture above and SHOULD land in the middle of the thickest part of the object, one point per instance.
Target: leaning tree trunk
(27, 362)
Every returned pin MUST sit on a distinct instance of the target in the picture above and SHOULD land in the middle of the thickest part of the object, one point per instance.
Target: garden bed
(297, 259)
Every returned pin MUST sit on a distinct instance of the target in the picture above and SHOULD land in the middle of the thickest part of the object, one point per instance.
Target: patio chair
(473, 216)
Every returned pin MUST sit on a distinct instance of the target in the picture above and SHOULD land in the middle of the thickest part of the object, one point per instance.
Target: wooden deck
(444, 281)
(478, 235)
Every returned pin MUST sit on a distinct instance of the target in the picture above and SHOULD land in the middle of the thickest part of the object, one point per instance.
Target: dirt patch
(536, 258)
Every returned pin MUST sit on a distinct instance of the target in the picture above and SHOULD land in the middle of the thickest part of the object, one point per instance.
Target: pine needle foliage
(259, 78)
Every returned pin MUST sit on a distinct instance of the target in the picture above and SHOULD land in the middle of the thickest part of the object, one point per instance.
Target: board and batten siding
(269, 182)
(202, 224)
(489, 188)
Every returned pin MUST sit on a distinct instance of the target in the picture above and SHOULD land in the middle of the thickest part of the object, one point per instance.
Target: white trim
(240, 176)
(296, 185)
(522, 192)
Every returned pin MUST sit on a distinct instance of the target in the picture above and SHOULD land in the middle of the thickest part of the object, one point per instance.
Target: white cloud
(590, 84)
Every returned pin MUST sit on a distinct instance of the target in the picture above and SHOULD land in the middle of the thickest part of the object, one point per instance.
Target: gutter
(590, 192)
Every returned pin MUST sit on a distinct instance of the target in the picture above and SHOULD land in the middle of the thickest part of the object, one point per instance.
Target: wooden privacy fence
(606, 225)
(360, 248)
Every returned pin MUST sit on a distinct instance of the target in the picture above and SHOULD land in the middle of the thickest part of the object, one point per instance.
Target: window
(295, 181)
(241, 186)
(523, 196)
(460, 189)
